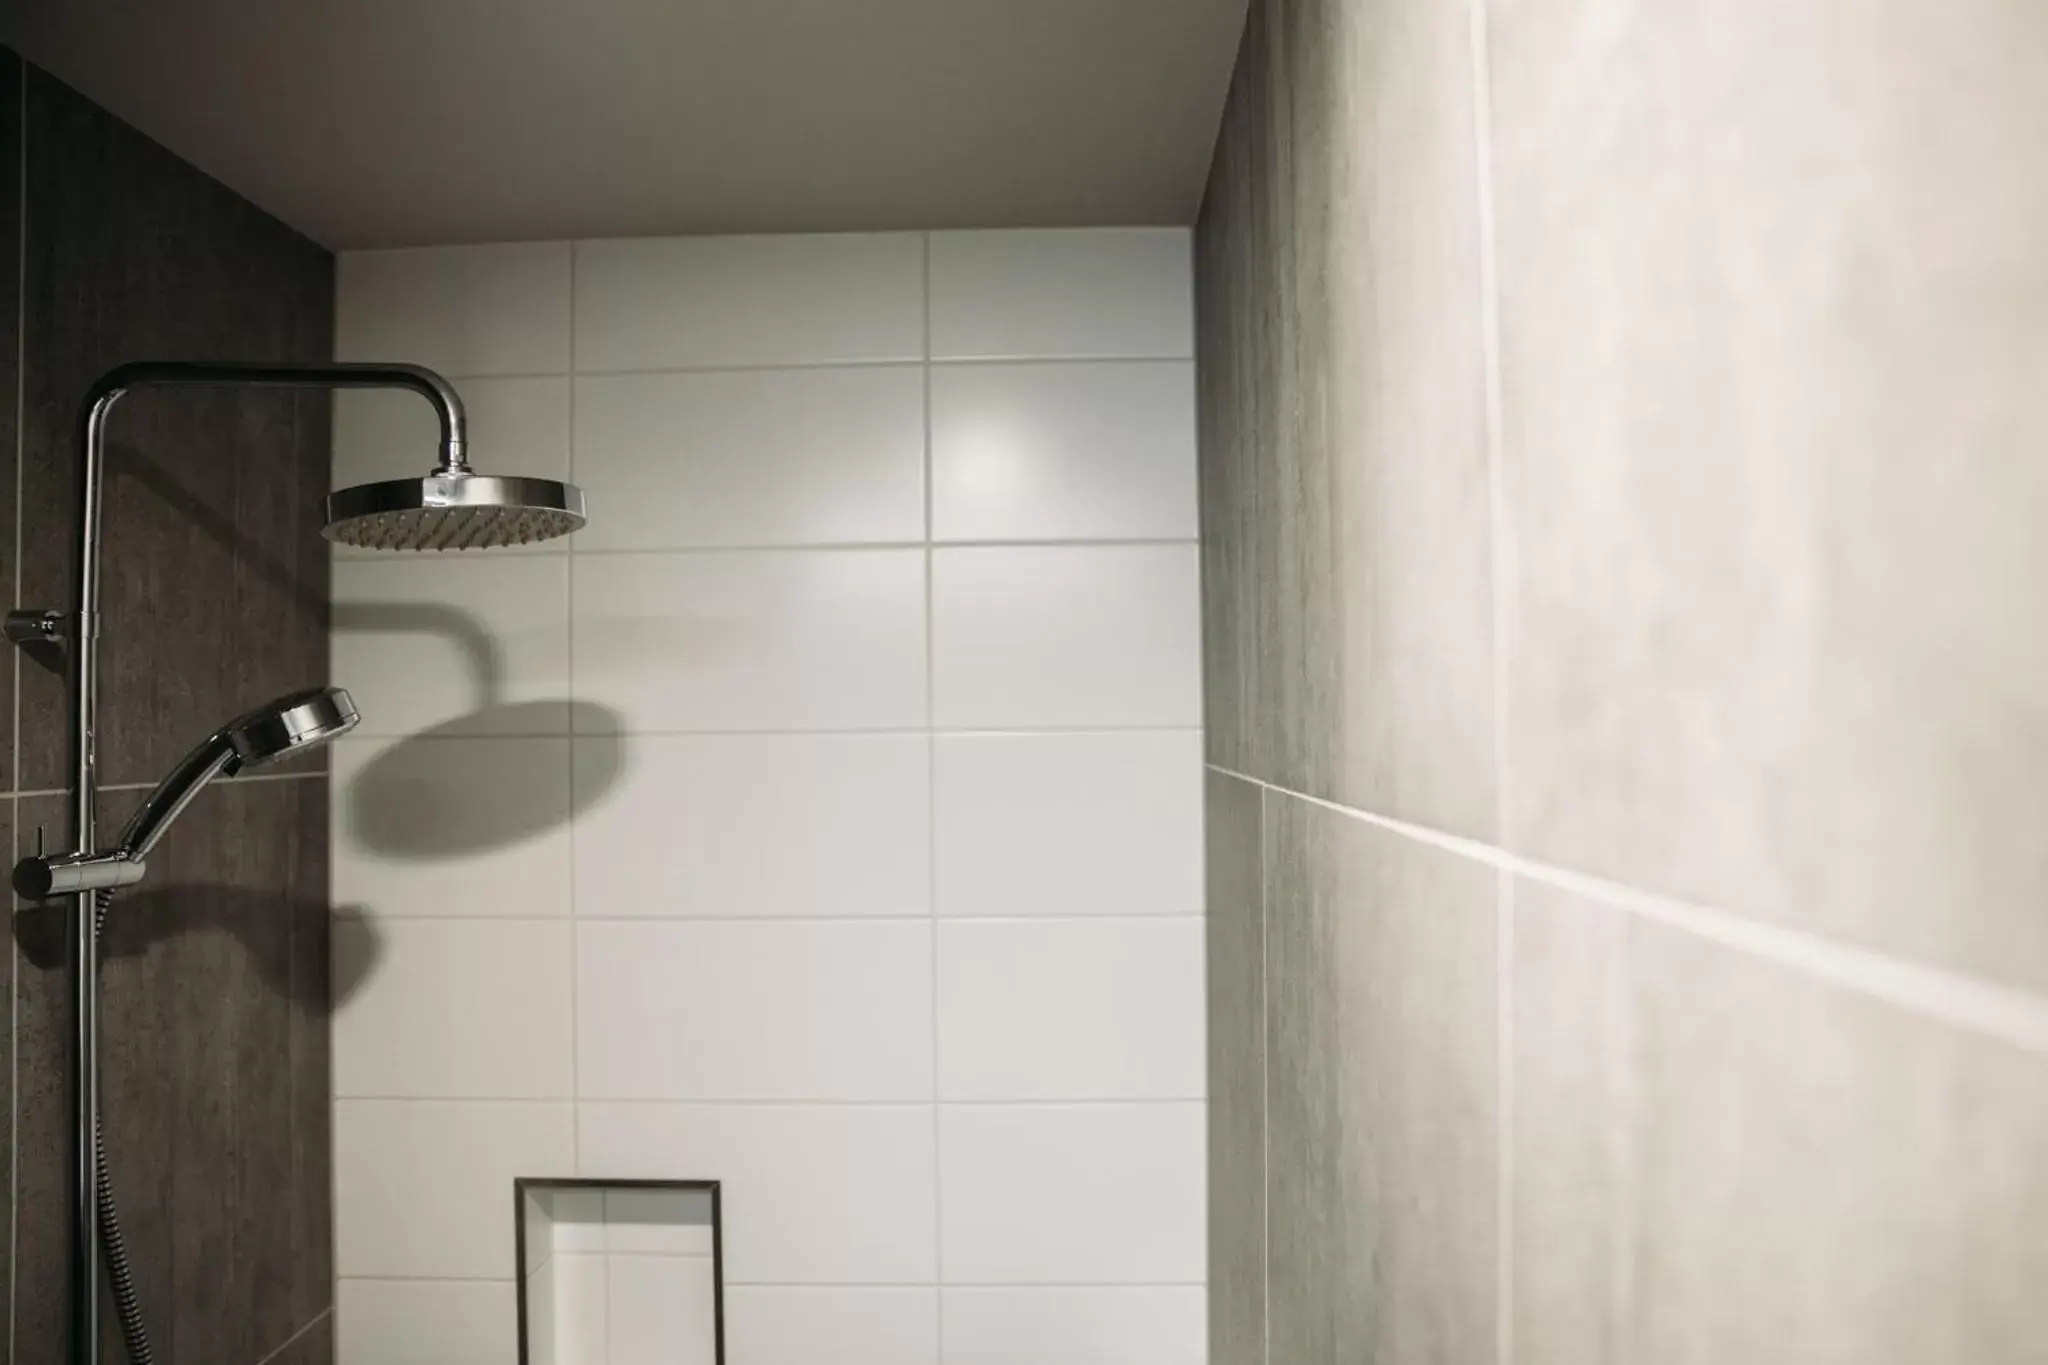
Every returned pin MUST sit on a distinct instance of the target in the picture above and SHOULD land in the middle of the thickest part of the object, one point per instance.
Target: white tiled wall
(825, 819)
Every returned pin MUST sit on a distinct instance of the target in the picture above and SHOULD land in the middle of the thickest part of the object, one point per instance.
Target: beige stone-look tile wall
(1623, 475)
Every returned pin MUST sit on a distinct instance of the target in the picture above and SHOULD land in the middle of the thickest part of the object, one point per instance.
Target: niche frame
(524, 1185)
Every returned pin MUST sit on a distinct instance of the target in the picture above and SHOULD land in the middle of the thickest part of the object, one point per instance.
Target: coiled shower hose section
(114, 1247)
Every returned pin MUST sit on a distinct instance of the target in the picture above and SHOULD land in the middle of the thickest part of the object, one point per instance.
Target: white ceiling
(402, 122)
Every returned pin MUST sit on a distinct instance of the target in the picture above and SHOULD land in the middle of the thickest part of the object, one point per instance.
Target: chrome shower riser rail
(79, 631)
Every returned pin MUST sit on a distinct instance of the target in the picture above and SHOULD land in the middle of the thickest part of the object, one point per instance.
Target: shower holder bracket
(34, 626)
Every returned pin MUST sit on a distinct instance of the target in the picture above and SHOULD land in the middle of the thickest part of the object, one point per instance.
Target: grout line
(973, 1286)
(612, 1255)
(286, 1345)
(1504, 1117)
(248, 779)
(1120, 917)
(352, 556)
(901, 731)
(14, 751)
(810, 366)
(1500, 557)
(681, 1102)
(2006, 1014)
(931, 806)
(569, 759)
(1265, 1115)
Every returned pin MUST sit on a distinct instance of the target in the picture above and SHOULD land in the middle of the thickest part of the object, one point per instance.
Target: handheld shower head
(302, 720)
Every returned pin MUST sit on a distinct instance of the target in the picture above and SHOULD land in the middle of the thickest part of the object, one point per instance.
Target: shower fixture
(451, 508)
(289, 725)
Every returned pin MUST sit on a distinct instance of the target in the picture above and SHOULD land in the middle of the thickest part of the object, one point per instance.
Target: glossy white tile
(662, 1310)
(423, 1188)
(452, 1008)
(578, 1218)
(457, 645)
(685, 302)
(448, 827)
(582, 1327)
(1065, 635)
(1062, 293)
(1089, 1194)
(1068, 824)
(1071, 1009)
(466, 310)
(541, 1326)
(658, 1222)
(768, 1011)
(426, 1322)
(1084, 451)
(822, 639)
(777, 1325)
(1125, 1325)
(813, 1194)
(753, 825)
(755, 457)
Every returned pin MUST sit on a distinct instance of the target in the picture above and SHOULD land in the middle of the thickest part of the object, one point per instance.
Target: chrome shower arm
(329, 375)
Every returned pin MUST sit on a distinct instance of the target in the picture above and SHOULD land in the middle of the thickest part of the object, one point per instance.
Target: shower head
(291, 724)
(303, 720)
(288, 725)
(452, 509)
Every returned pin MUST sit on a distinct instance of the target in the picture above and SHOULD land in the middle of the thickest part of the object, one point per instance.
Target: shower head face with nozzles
(288, 725)
(453, 510)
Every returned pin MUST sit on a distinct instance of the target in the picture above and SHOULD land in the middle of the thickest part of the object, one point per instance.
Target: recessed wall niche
(620, 1272)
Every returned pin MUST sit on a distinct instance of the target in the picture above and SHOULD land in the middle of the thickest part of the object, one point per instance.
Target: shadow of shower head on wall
(416, 800)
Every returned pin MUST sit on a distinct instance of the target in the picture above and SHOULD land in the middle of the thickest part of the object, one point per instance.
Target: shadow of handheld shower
(437, 794)
(267, 925)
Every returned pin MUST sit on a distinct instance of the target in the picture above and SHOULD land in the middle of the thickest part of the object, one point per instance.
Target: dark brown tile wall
(215, 1062)
(1620, 533)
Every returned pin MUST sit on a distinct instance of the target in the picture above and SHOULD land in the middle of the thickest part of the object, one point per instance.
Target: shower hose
(114, 1247)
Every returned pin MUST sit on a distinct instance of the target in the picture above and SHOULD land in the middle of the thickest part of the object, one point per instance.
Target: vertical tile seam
(1265, 1109)
(931, 816)
(569, 684)
(1500, 575)
(333, 774)
(14, 749)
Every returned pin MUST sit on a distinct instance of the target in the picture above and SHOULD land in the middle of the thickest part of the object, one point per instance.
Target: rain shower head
(452, 510)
